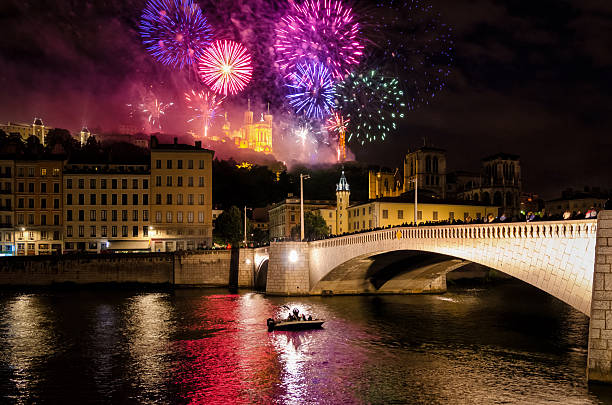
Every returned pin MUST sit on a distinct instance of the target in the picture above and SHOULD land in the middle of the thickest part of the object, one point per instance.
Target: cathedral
(256, 136)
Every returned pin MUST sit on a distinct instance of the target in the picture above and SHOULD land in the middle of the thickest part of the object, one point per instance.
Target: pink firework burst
(204, 105)
(226, 67)
(323, 31)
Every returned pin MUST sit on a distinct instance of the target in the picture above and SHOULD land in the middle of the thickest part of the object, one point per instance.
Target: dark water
(503, 343)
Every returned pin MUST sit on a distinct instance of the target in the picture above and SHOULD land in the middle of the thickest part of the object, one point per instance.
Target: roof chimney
(198, 144)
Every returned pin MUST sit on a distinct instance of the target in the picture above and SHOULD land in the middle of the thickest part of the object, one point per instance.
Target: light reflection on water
(482, 345)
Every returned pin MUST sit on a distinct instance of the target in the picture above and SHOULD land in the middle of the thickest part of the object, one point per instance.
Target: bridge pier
(599, 367)
(288, 269)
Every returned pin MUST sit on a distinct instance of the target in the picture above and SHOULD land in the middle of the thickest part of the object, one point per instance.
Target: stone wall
(288, 269)
(155, 268)
(213, 268)
(600, 329)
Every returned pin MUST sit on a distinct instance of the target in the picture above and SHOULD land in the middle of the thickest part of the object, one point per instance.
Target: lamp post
(416, 191)
(245, 224)
(302, 178)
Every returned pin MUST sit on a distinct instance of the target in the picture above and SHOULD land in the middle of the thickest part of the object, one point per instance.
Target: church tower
(85, 134)
(343, 193)
(38, 130)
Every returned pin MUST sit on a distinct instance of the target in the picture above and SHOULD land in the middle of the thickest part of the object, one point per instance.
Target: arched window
(437, 180)
(435, 164)
(498, 199)
(476, 197)
(509, 199)
(486, 198)
(428, 164)
(427, 180)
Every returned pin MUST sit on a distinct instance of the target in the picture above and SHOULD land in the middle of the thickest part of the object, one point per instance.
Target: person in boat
(296, 313)
(310, 317)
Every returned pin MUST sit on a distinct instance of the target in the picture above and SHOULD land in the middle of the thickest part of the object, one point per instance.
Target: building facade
(181, 192)
(286, 214)
(37, 128)
(7, 207)
(106, 207)
(254, 135)
(426, 166)
(38, 206)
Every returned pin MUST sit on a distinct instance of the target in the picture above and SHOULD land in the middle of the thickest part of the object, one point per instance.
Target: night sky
(529, 77)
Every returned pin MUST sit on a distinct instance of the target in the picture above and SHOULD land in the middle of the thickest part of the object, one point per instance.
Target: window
(190, 199)
(69, 231)
(169, 199)
(68, 215)
(43, 187)
(56, 188)
(419, 215)
(43, 172)
(103, 231)
(179, 199)
(43, 219)
(451, 215)
(200, 181)
(81, 215)
(124, 215)
(200, 216)
(43, 203)
(158, 199)
(103, 184)
(56, 203)
(385, 214)
(158, 216)
(81, 184)
(179, 217)
(145, 199)
(434, 215)
(114, 231)
(201, 199)
(92, 184)
(363, 211)
(190, 164)
(114, 184)
(169, 181)
(113, 199)
(92, 215)
(135, 215)
(124, 199)
(169, 216)
(92, 231)
(201, 164)
(103, 215)
(168, 164)
(124, 183)
(124, 231)
(92, 199)
(145, 184)
(20, 203)
(81, 231)
(92, 245)
(30, 203)
(81, 199)
(135, 231)
(466, 215)
(158, 164)
(179, 181)
(190, 217)
(400, 214)
(69, 184)
(103, 198)
(31, 187)
(134, 199)
(145, 215)
(113, 215)
(20, 187)
(145, 231)
(135, 184)
(190, 181)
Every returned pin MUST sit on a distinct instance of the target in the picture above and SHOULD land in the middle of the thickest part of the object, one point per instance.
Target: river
(497, 343)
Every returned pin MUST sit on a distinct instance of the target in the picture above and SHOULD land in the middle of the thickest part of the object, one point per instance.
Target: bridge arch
(556, 257)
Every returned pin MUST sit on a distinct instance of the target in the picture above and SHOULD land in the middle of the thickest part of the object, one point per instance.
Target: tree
(228, 226)
(315, 227)
(259, 236)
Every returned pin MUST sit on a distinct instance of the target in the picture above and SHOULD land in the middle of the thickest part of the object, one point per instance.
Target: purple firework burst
(174, 31)
(311, 90)
(323, 31)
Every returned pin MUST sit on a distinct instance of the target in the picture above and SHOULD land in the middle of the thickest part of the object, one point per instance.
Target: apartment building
(106, 207)
(181, 192)
(38, 205)
(7, 206)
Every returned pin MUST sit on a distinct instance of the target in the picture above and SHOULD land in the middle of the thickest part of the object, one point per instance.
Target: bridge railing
(554, 229)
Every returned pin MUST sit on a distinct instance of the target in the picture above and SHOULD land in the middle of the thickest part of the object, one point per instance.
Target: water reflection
(28, 341)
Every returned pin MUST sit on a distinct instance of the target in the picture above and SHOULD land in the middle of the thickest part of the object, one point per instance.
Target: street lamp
(245, 223)
(302, 178)
(416, 191)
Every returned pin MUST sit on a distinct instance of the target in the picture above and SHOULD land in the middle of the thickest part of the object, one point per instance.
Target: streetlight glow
(293, 256)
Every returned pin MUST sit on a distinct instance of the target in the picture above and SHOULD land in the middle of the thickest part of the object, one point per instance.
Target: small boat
(294, 325)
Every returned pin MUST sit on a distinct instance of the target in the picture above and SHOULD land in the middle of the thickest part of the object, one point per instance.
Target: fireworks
(372, 102)
(323, 31)
(155, 111)
(226, 67)
(204, 105)
(311, 90)
(414, 45)
(337, 123)
(174, 31)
